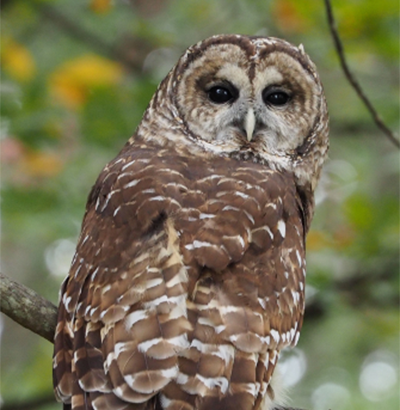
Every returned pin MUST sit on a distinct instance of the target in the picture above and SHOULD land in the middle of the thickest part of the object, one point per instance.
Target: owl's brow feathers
(260, 49)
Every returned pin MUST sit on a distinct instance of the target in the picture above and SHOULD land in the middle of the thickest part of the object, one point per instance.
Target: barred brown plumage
(188, 278)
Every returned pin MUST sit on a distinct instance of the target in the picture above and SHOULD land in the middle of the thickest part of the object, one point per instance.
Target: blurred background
(76, 78)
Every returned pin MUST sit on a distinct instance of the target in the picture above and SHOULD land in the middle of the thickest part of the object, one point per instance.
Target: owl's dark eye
(221, 94)
(275, 97)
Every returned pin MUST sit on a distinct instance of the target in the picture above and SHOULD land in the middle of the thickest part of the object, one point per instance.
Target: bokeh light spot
(330, 396)
(378, 376)
(58, 256)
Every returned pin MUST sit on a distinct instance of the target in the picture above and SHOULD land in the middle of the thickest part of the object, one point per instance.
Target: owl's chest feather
(219, 207)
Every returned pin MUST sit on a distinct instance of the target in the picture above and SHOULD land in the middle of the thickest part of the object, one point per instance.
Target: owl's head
(251, 98)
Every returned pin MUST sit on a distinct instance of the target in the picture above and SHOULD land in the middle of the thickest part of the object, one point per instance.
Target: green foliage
(76, 78)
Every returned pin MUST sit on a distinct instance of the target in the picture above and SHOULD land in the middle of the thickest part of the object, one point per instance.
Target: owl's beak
(249, 124)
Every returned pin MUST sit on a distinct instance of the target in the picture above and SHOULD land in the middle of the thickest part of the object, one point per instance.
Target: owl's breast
(239, 230)
(242, 240)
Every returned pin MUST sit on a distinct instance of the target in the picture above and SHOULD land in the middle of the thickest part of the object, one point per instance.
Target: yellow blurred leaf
(100, 6)
(351, 26)
(72, 81)
(360, 211)
(17, 60)
(41, 164)
(288, 16)
(68, 93)
(317, 240)
(343, 237)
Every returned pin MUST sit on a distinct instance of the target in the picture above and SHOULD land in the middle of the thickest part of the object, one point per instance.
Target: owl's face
(250, 98)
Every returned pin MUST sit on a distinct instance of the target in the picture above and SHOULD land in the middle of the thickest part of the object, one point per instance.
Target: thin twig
(35, 403)
(27, 308)
(340, 50)
(133, 61)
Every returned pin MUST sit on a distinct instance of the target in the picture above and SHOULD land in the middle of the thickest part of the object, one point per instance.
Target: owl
(189, 273)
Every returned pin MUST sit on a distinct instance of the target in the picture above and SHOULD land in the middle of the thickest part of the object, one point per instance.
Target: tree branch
(27, 308)
(353, 81)
(285, 408)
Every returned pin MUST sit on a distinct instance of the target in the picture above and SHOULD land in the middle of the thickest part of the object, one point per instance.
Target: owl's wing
(126, 286)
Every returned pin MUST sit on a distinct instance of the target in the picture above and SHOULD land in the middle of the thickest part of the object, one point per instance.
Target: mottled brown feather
(188, 277)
